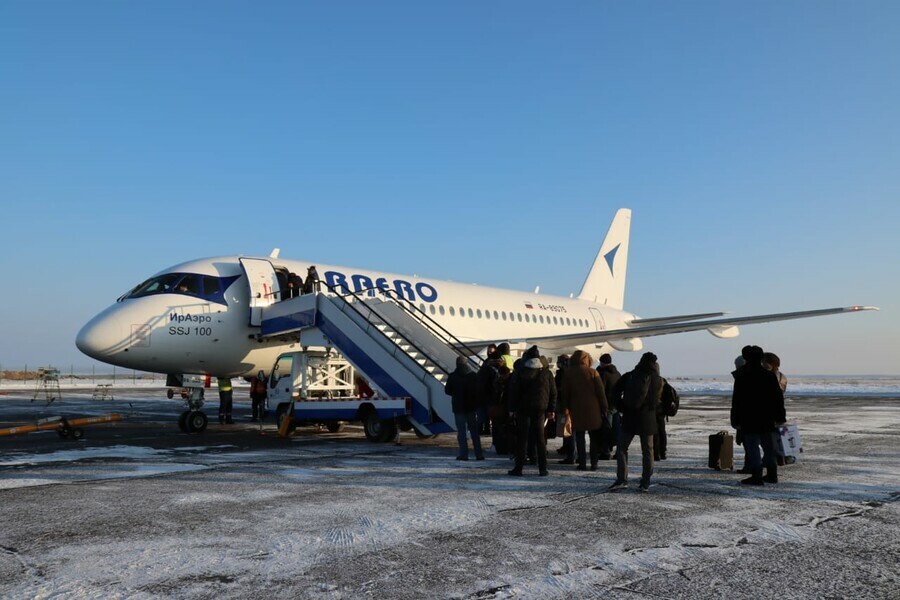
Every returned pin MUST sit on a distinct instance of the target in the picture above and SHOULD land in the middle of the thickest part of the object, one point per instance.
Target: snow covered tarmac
(138, 510)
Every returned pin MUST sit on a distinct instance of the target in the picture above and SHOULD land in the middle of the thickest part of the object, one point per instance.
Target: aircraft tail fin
(605, 282)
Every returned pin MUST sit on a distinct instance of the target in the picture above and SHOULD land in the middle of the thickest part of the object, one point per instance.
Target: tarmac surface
(138, 509)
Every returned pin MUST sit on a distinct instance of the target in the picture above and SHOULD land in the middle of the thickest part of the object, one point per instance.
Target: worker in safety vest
(225, 399)
(258, 395)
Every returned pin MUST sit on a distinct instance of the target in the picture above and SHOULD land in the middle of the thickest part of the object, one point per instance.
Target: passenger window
(519, 315)
(441, 309)
(452, 312)
(542, 319)
(479, 313)
(555, 321)
(503, 314)
(431, 309)
(470, 313)
(487, 314)
(422, 307)
(496, 316)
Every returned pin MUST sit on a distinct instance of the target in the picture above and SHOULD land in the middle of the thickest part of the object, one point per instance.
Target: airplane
(205, 316)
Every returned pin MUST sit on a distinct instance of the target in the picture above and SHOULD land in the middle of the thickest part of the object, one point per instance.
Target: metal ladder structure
(47, 385)
(399, 348)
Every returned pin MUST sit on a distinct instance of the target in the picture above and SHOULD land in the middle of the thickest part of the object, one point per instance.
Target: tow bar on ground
(66, 428)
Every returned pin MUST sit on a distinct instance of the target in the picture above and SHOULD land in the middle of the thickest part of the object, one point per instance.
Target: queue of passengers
(598, 412)
(598, 406)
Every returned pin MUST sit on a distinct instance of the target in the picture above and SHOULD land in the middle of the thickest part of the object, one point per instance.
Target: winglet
(275, 252)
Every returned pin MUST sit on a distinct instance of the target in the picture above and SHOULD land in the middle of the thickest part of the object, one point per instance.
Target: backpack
(669, 402)
(637, 386)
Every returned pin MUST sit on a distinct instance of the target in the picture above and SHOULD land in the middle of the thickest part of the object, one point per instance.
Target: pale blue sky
(757, 143)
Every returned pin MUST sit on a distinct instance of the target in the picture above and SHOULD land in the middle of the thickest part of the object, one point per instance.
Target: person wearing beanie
(462, 387)
(757, 404)
(639, 393)
(532, 399)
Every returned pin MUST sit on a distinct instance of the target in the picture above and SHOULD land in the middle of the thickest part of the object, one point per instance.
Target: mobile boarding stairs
(403, 353)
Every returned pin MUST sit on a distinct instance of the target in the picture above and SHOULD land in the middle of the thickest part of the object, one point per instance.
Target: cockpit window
(188, 284)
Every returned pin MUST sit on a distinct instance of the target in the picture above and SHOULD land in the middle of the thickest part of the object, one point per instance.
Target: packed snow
(337, 517)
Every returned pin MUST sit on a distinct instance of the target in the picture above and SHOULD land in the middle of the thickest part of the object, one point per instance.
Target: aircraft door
(599, 321)
(264, 288)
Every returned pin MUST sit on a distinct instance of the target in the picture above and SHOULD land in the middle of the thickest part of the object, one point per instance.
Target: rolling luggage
(721, 451)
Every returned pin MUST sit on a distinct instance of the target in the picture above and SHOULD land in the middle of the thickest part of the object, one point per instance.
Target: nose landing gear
(193, 420)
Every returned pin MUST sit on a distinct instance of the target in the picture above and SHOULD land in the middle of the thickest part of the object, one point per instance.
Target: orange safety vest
(257, 386)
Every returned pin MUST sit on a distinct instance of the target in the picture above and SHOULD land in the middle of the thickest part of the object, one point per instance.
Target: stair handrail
(344, 296)
(431, 324)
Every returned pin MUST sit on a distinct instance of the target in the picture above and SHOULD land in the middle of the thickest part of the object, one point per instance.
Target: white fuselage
(208, 330)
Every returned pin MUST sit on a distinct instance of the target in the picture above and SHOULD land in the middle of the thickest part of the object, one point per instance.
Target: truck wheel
(373, 427)
(388, 430)
(335, 427)
(170, 393)
(182, 421)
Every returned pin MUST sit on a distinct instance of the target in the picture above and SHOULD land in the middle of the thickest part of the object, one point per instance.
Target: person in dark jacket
(567, 450)
(639, 392)
(490, 384)
(610, 376)
(757, 403)
(312, 280)
(258, 395)
(532, 397)
(584, 401)
(461, 386)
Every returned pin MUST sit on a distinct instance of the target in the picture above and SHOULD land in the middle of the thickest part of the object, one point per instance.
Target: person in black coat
(462, 387)
(567, 450)
(610, 376)
(757, 403)
(638, 394)
(532, 398)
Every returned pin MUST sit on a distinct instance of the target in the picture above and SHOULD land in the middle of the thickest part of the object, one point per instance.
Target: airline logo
(611, 257)
(529, 306)
(355, 283)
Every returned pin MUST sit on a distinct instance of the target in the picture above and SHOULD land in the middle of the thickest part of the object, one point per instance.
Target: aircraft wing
(629, 337)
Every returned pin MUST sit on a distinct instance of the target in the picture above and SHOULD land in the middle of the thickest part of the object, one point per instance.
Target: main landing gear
(193, 420)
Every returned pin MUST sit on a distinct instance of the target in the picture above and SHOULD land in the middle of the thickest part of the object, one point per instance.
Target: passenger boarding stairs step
(394, 346)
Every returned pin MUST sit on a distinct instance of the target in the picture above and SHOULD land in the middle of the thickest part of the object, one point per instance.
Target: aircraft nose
(100, 338)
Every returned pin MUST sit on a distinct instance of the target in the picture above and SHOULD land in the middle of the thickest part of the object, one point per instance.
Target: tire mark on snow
(33, 572)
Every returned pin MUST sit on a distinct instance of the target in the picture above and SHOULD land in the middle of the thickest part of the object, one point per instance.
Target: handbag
(549, 429)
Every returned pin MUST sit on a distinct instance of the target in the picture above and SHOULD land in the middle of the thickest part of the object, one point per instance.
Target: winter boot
(755, 479)
(771, 475)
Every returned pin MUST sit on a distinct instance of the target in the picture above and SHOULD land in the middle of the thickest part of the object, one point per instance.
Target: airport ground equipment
(47, 385)
(319, 387)
(66, 428)
(404, 354)
(103, 391)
